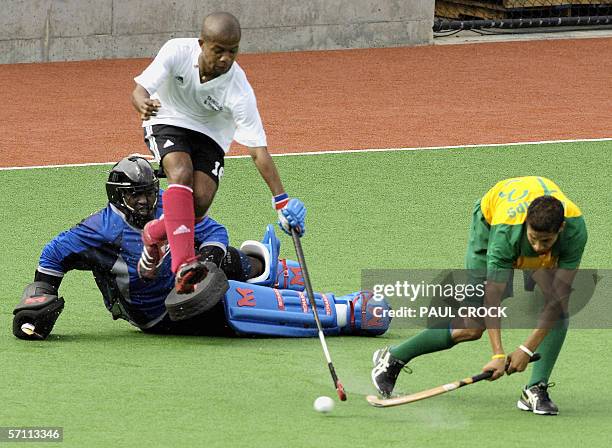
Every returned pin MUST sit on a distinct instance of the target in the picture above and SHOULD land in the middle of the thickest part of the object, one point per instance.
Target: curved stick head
(340, 390)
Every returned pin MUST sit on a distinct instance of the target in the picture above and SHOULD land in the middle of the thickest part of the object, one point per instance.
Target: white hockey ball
(323, 404)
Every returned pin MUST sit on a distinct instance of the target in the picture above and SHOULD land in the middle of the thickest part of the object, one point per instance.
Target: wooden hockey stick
(405, 399)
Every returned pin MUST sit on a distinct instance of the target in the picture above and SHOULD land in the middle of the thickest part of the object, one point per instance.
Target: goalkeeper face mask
(141, 204)
(133, 188)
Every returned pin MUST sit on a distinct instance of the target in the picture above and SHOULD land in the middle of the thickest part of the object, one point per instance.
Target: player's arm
(500, 254)
(151, 79)
(267, 169)
(250, 133)
(291, 212)
(494, 291)
(556, 286)
(38, 309)
(40, 304)
(144, 105)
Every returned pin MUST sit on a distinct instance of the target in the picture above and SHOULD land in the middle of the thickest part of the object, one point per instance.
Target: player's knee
(466, 334)
(178, 168)
(180, 175)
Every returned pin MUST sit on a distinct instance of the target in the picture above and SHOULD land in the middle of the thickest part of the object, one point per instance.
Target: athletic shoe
(385, 372)
(152, 254)
(190, 274)
(536, 400)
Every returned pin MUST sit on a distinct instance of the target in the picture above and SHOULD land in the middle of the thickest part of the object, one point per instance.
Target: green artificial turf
(108, 384)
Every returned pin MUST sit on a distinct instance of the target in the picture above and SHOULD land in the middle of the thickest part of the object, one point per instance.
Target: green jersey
(498, 239)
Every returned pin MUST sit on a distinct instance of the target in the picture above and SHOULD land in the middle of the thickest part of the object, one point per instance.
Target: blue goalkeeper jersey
(107, 245)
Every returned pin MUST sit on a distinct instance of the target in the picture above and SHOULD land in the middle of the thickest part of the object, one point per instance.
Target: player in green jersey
(521, 223)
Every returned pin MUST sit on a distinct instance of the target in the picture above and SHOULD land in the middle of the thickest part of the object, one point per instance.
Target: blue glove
(291, 214)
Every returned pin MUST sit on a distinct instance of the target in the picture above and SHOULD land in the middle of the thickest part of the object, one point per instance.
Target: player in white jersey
(194, 100)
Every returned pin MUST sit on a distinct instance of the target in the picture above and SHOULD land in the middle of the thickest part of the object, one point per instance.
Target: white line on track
(345, 151)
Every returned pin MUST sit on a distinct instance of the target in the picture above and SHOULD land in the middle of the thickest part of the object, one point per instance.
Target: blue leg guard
(258, 310)
(289, 275)
(364, 315)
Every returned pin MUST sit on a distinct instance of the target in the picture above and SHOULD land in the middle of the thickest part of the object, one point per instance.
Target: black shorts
(206, 155)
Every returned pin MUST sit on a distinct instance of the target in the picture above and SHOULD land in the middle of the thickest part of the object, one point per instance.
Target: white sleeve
(249, 128)
(157, 72)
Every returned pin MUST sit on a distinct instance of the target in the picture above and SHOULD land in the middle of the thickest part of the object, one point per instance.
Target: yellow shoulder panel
(508, 200)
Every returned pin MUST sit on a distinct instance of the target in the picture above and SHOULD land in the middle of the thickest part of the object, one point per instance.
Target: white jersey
(223, 108)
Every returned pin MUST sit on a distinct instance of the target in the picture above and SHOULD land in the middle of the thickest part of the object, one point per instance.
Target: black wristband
(53, 281)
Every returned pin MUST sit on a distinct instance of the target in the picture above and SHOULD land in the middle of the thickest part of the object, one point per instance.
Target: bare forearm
(493, 294)
(142, 102)
(496, 340)
(535, 338)
(267, 169)
(139, 95)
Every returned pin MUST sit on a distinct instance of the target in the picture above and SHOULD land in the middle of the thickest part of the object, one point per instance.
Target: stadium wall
(67, 30)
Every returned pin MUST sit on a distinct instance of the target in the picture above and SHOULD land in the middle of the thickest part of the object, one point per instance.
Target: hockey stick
(300, 254)
(405, 399)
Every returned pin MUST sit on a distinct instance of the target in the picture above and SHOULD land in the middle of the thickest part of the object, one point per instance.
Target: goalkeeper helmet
(133, 188)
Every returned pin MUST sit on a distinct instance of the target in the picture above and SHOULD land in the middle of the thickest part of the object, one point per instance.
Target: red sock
(157, 229)
(179, 217)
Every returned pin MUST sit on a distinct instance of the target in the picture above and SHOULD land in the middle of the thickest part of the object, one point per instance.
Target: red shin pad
(180, 221)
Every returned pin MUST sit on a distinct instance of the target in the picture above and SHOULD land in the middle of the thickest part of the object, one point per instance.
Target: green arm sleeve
(573, 240)
(502, 251)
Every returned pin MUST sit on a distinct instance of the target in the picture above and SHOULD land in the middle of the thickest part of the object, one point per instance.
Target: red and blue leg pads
(259, 310)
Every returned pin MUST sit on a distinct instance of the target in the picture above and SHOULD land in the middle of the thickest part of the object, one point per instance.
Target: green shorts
(476, 255)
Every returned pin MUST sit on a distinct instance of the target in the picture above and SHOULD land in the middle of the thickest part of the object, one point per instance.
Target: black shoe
(536, 400)
(189, 274)
(385, 372)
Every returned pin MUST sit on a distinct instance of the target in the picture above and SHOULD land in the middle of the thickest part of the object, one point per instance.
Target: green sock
(549, 350)
(427, 341)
